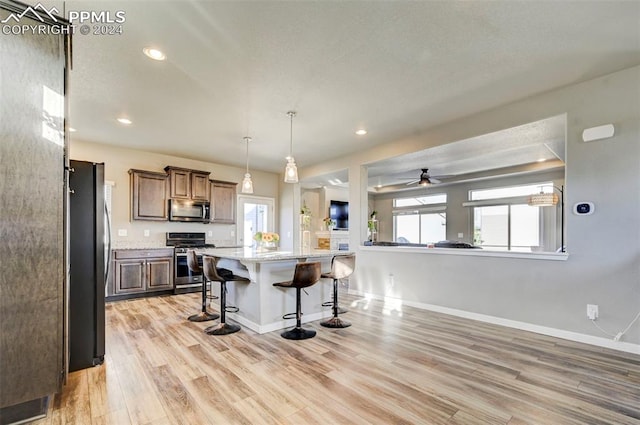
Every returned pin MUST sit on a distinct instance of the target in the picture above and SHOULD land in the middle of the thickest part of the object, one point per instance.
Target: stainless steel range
(184, 280)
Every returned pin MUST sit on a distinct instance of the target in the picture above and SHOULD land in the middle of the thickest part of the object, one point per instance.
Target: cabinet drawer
(142, 253)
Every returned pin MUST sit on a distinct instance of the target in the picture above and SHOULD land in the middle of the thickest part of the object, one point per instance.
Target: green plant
(328, 221)
(305, 210)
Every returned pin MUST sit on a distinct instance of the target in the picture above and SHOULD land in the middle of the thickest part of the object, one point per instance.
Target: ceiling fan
(425, 179)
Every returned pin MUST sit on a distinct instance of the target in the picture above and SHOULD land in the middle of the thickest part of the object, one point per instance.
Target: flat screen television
(339, 212)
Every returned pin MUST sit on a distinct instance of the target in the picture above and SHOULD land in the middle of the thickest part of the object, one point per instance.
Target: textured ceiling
(235, 68)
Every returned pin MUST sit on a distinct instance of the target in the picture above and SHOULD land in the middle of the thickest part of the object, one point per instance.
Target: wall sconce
(598, 133)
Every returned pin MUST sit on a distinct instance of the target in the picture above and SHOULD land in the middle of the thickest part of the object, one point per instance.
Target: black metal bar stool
(342, 266)
(204, 315)
(305, 274)
(223, 276)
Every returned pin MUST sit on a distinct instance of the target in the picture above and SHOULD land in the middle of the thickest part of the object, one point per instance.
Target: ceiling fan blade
(412, 182)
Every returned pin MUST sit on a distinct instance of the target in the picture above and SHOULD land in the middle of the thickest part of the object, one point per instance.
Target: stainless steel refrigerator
(87, 265)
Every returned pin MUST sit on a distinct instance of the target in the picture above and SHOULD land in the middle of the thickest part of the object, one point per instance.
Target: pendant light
(291, 171)
(247, 184)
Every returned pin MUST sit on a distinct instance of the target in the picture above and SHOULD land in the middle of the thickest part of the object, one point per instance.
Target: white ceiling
(235, 68)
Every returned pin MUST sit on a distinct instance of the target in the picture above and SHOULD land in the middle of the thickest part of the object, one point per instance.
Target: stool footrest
(327, 304)
(289, 316)
(231, 309)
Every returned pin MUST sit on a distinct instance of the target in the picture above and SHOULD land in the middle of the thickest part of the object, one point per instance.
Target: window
(507, 227)
(420, 220)
(438, 198)
(502, 219)
(510, 191)
(255, 214)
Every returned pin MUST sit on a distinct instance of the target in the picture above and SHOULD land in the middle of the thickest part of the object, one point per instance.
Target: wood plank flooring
(403, 366)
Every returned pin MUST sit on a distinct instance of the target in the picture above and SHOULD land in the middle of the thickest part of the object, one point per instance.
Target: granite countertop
(252, 255)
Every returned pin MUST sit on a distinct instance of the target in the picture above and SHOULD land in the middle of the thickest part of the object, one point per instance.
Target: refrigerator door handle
(108, 259)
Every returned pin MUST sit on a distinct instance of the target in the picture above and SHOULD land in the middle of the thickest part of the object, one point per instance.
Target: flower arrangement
(328, 222)
(305, 210)
(266, 237)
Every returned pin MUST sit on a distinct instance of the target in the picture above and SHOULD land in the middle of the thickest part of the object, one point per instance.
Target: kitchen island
(261, 305)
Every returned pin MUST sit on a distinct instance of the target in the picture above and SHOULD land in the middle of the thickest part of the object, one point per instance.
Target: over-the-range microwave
(186, 210)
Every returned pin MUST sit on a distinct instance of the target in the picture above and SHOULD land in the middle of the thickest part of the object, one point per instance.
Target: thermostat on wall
(583, 208)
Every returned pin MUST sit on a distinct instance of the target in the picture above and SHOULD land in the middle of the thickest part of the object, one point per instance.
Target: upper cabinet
(223, 202)
(188, 184)
(150, 192)
(148, 195)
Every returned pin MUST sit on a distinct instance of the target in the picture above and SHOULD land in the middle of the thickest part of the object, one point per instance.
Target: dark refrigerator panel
(86, 265)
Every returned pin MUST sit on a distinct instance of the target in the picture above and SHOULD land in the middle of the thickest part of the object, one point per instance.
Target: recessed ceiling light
(154, 54)
(361, 132)
(72, 130)
(541, 160)
(125, 121)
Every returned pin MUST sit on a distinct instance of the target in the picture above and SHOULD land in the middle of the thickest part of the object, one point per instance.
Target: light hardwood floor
(390, 367)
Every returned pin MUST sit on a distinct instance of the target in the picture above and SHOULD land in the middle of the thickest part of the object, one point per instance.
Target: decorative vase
(305, 222)
(267, 246)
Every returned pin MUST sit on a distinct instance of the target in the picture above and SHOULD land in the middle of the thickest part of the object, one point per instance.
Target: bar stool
(204, 315)
(305, 274)
(223, 276)
(342, 267)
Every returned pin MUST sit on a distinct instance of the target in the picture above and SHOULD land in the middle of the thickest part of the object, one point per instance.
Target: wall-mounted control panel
(583, 208)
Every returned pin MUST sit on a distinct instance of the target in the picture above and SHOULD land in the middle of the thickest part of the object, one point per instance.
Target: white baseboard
(544, 330)
(275, 326)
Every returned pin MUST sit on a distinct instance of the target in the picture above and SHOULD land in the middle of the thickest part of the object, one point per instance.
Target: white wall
(118, 161)
(604, 248)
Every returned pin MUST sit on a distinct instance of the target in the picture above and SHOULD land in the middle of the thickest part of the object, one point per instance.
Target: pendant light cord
(247, 140)
(247, 155)
(291, 115)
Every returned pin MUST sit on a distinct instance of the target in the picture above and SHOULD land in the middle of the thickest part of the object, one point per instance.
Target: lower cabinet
(142, 270)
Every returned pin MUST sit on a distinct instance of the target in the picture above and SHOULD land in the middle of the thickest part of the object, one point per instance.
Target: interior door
(255, 214)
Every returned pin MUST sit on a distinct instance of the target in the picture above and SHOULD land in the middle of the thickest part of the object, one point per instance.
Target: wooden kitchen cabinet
(188, 184)
(223, 202)
(199, 186)
(148, 195)
(142, 270)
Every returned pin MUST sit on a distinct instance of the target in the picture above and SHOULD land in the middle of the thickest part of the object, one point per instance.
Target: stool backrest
(306, 274)
(342, 266)
(210, 271)
(192, 261)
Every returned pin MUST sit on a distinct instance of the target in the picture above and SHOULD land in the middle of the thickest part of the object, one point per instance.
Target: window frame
(509, 202)
(427, 209)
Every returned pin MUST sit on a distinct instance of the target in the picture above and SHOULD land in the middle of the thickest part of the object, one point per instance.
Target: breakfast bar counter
(260, 304)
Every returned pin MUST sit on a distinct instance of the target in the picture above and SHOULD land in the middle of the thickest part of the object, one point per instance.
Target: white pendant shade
(247, 184)
(291, 171)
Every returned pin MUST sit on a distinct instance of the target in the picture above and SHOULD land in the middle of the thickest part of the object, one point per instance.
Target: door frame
(244, 198)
